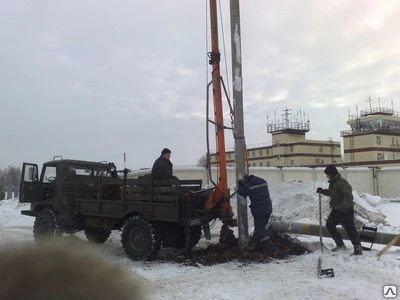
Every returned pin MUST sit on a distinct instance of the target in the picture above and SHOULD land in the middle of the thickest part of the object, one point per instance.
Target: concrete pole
(240, 145)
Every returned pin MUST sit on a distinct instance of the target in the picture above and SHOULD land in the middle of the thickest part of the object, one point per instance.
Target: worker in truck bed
(162, 167)
(256, 189)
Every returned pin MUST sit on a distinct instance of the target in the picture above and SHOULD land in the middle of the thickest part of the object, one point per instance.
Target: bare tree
(2, 185)
(202, 162)
(13, 174)
(9, 182)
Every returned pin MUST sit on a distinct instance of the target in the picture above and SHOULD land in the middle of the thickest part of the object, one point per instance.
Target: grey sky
(94, 79)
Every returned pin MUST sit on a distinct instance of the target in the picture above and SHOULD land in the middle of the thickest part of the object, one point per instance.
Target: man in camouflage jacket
(341, 202)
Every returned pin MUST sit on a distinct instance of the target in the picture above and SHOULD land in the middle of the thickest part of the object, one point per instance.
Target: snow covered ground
(295, 277)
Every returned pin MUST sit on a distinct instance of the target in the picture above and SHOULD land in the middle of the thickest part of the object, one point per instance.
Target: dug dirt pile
(222, 253)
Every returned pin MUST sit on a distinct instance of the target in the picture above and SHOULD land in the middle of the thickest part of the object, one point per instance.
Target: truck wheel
(180, 240)
(46, 226)
(140, 239)
(97, 235)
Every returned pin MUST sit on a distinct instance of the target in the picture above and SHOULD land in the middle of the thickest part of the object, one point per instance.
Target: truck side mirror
(32, 174)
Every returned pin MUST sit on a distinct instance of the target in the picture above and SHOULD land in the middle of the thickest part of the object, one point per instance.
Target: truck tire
(97, 235)
(140, 239)
(180, 239)
(46, 225)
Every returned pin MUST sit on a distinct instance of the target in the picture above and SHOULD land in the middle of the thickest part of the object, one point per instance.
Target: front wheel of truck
(46, 226)
(140, 239)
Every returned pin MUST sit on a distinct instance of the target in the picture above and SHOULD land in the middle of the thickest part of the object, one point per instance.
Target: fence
(375, 181)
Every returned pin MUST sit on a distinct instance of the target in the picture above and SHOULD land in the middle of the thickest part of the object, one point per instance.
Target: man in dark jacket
(256, 189)
(341, 202)
(162, 167)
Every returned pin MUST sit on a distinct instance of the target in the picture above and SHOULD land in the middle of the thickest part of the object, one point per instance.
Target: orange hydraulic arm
(221, 193)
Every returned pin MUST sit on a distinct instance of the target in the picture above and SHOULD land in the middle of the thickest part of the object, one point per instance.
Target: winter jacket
(256, 189)
(341, 193)
(162, 168)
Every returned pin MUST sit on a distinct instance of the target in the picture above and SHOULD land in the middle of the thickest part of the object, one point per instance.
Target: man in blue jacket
(256, 189)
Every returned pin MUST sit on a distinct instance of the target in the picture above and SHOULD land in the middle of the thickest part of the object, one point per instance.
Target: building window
(267, 151)
(378, 140)
(229, 156)
(253, 153)
(260, 152)
(379, 156)
(321, 149)
(261, 164)
(291, 148)
(291, 162)
(254, 164)
(268, 164)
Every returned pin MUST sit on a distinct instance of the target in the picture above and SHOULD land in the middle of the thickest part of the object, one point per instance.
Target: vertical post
(240, 146)
(16, 191)
(9, 191)
(375, 180)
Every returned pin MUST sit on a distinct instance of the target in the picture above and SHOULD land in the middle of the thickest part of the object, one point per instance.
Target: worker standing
(342, 204)
(256, 189)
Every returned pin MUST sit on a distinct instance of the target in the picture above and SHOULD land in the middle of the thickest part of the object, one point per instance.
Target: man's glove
(324, 192)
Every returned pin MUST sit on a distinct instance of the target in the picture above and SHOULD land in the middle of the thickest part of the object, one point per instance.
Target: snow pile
(298, 202)
(371, 199)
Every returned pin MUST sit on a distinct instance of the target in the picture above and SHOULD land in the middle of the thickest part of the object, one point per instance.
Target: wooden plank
(390, 244)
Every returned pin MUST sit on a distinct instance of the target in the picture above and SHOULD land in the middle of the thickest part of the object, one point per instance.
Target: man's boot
(357, 250)
(253, 243)
(339, 244)
(268, 245)
(339, 248)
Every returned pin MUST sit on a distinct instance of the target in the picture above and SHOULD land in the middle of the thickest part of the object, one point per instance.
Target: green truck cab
(72, 195)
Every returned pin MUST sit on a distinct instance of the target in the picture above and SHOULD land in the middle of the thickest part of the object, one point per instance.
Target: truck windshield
(49, 174)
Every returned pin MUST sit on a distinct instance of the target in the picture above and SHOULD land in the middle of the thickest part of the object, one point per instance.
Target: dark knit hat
(331, 170)
(165, 151)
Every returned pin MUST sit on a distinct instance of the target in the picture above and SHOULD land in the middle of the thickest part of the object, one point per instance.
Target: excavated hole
(222, 253)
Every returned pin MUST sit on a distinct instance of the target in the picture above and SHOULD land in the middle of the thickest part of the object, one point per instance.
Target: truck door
(29, 185)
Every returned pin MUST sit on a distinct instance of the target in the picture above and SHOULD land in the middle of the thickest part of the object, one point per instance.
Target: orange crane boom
(221, 193)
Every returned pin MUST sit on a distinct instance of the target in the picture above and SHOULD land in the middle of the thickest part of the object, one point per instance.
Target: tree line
(9, 181)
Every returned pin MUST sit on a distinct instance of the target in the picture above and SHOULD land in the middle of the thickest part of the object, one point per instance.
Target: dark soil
(222, 253)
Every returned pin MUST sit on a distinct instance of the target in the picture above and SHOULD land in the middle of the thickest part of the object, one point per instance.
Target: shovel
(322, 272)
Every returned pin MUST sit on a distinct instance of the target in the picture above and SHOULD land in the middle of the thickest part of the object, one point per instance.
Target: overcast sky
(92, 79)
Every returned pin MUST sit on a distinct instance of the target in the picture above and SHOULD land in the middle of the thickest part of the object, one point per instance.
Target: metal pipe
(313, 229)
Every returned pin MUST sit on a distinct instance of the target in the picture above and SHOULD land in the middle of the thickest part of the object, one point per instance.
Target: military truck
(73, 195)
